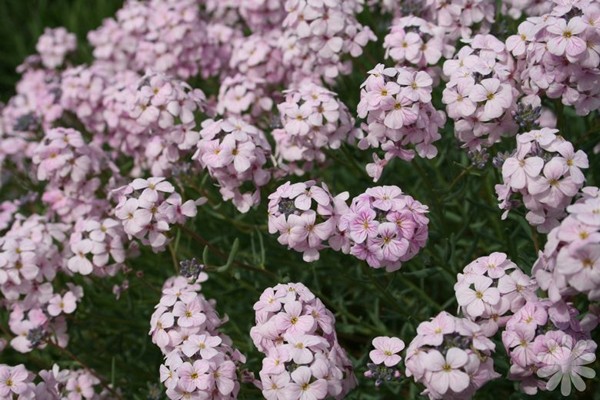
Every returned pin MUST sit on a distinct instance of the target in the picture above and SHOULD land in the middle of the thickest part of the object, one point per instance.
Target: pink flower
(302, 388)
(553, 186)
(433, 331)
(497, 97)
(446, 373)
(402, 111)
(190, 375)
(385, 350)
(151, 188)
(519, 172)
(203, 344)
(65, 304)
(475, 300)
(189, 314)
(363, 225)
(79, 262)
(12, 380)
(292, 321)
(565, 39)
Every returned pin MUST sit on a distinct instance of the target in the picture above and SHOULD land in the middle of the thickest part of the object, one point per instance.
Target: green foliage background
(110, 335)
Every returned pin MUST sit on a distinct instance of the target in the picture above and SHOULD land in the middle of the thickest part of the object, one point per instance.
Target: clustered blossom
(148, 207)
(384, 365)
(313, 119)
(54, 45)
(234, 153)
(262, 15)
(546, 171)
(546, 340)
(491, 287)
(30, 259)
(558, 54)
(451, 356)
(396, 103)
(384, 227)
(259, 56)
(455, 18)
(317, 34)
(72, 168)
(570, 261)
(18, 383)
(239, 95)
(200, 361)
(480, 94)
(296, 332)
(305, 215)
(413, 41)
(164, 36)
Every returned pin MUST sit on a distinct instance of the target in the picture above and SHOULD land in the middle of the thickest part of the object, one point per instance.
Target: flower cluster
(384, 227)
(164, 36)
(558, 55)
(480, 94)
(489, 288)
(396, 103)
(313, 119)
(546, 340)
(259, 56)
(305, 215)
(262, 15)
(30, 260)
(146, 212)
(200, 361)
(545, 170)
(239, 95)
(234, 153)
(570, 261)
(18, 383)
(383, 367)
(97, 245)
(317, 34)
(296, 332)
(457, 18)
(450, 356)
(54, 45)
(413, 41)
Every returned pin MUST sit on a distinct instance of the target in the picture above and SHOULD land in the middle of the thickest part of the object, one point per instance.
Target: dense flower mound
(16, 382)
(234, 153)
(200, 361)
(148, 207)
(413, 41)
(165, 36)
(546, 340)
(30, 260)
(456, 18)
(384, 227)
(72, 168)
(313, 120)
(106, 156)
(396, 103)
(305, 215)
(450, 356)
(318, 34)
(480, 94)
(558, 55)
(547, 172)
(296, 332)
(490, 288)
(570, 262)
(54, 45)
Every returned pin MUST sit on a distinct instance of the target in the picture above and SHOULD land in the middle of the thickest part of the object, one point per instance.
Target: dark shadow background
(23, 21)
